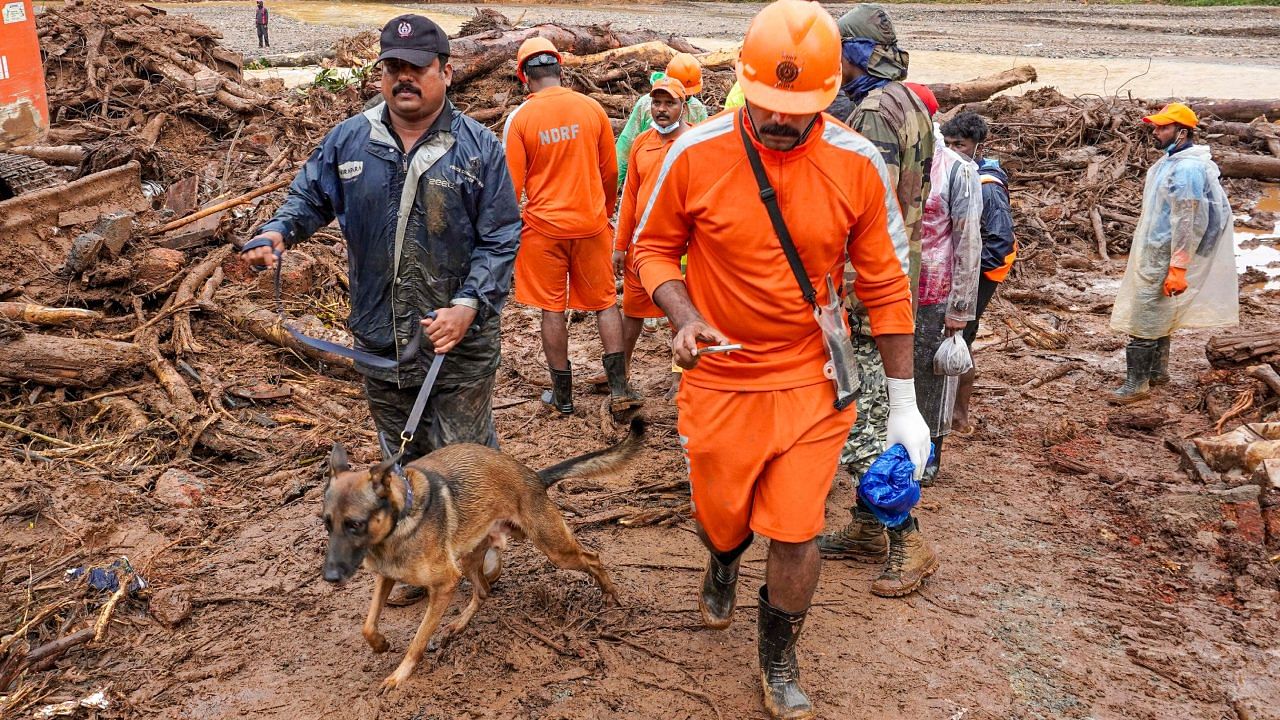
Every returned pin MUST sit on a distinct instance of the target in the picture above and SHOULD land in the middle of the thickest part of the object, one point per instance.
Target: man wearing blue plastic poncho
(1181, 271)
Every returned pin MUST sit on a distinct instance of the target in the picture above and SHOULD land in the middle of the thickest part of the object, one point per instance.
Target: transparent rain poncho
(1186, 222)
(951, 234)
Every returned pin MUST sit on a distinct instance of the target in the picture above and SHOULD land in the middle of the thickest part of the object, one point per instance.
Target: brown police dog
(432, 524)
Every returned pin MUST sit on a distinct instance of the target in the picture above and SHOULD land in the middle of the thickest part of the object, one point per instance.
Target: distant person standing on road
(1181, 271)
(560, 151)
(260, 17)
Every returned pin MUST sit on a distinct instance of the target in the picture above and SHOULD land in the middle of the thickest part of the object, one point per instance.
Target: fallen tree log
(1240, 165)
(41, 315)
(1237, 110)
(477, 55)
(652, 54)
(265, 325)
(978, 89)
(298, 59)
(66, 362)
(52, 154)
(1240, 349)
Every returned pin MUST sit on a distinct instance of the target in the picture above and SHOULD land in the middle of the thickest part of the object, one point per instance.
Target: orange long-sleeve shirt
(643, 162)
(833, 192)
(560, 152)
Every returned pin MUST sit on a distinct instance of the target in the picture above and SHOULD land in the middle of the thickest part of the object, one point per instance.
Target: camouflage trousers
(457, 413)
(866, 439)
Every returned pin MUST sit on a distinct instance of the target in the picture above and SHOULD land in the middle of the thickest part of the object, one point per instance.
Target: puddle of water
(1261, 249)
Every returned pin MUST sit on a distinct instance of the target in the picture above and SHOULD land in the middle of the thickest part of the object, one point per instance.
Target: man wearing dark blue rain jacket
(425, 202)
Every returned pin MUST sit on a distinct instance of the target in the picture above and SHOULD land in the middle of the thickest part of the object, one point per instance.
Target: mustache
(405, 87)
(779, 131)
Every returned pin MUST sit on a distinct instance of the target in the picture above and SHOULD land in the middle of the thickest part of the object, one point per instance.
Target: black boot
(778, 633)
(1141, 357)
(1160, 371)
(560, 396)
(720, 586)
(622, 397)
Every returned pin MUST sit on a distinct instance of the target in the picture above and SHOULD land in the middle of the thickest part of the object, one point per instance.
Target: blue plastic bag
(889, 486)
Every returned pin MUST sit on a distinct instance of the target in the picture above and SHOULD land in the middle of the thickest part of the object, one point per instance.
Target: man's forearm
(896, 352)
(673, 297)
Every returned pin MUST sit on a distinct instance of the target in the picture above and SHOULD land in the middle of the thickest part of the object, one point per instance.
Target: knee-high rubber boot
(622, 397)
(560, 396)
(1140, 356)
(863, 539)
(1160, 371)
(778, 632)
(720, 586)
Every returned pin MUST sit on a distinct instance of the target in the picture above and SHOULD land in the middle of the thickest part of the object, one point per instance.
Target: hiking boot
(560, 396)
(862, 539)
(1160, 368)
(778, 631)
(911, 560)
(1140, 355)
(622, 397)
(720, 586)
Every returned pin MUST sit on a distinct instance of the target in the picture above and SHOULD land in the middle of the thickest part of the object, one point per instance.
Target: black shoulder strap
(770, 200)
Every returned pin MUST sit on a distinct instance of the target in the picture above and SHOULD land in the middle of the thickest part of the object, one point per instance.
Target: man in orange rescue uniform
(667, 98)
(560, 151)
(759, 427)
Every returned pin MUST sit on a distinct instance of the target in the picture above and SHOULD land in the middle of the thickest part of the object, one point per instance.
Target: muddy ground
(1126, 593)
(1053, 30)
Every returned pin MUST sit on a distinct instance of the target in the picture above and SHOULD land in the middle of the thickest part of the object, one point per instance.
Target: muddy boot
(911, 560)
(491, 566)
(778, 631)
(862, 539)
(1140, 356)
(560, 396)
(1160, 370)
(622, 397)
(406, 595)
(720, 586)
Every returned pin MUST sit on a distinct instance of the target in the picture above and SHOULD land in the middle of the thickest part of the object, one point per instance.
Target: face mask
(1173, 144)
(668, 129)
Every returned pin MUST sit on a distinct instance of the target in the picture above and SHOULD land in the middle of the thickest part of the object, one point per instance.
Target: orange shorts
(636, 302)
(558, 274)
(761, 461)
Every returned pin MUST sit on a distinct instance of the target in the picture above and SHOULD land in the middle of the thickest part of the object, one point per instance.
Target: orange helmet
(532, 48)
(685, 68)
(790, 58)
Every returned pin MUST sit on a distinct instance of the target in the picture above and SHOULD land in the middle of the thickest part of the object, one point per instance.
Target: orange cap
(671, 86)
(1173, 113)
(686, 68)
(532, 48)
(790, 58)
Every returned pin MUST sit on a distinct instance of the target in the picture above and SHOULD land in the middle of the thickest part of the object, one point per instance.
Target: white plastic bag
(953, 357)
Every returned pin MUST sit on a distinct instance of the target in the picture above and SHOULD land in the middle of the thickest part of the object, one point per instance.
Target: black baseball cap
(413, 39)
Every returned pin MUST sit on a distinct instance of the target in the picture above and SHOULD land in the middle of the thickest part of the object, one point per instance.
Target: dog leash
(407, 355)
(410, 352)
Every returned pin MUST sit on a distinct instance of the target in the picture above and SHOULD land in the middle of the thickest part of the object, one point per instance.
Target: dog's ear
(380, 475)
(338, 459)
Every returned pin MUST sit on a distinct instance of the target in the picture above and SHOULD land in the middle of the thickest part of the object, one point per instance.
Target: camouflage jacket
(897, 123)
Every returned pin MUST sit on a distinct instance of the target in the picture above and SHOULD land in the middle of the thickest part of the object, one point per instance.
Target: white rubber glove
(906, 425)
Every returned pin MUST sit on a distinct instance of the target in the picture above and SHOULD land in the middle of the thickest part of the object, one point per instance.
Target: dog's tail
(600, 462)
